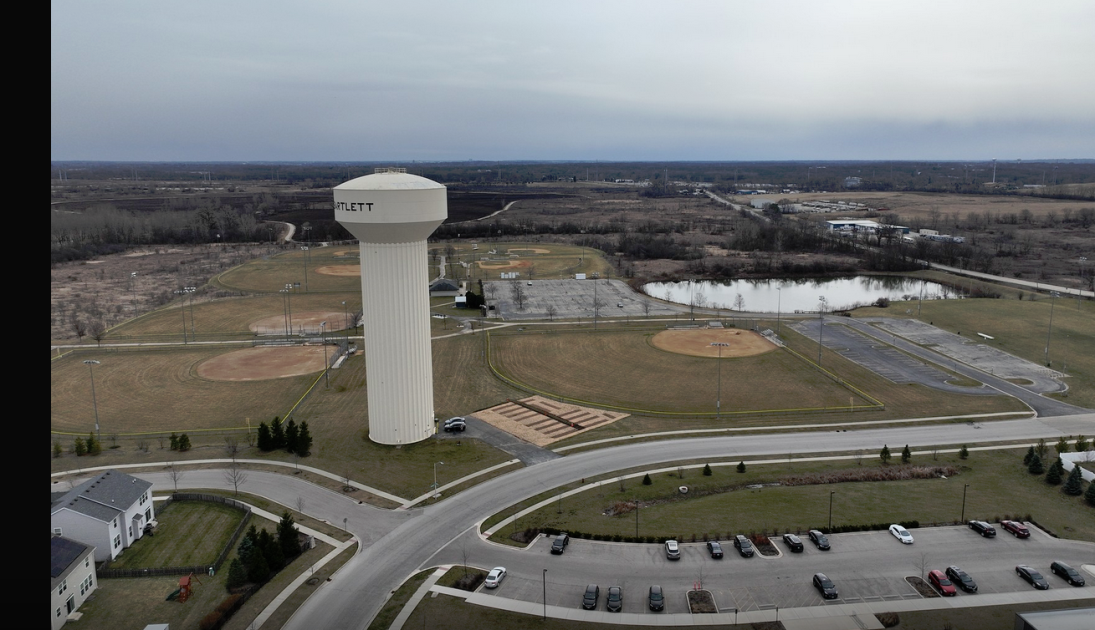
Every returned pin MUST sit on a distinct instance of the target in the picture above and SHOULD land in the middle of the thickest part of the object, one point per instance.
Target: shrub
(80, 447)
(964, 452)
(741, 467)
(646, 480)
(906, 455)
(1081, 444)
(1029, 456)
(707, 470)
(885, 454)
(1089, 496)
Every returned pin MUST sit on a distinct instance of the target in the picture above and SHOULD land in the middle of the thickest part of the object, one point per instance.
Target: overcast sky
(513, 80)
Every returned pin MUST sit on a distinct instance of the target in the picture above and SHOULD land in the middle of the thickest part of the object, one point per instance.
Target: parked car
(1015, 528)
(745, 547)
(901, 534)
(714, 548)
(591, 597)
(942, 583)
(657, 598)
(456, 424)
(819, 539)
(1033, 576)
(983, 528)
(672, 550)
(794, 543)
(615, 600)
(495, 577)
(1070, 575)
(825, 586)
(559, 545)
(961, 579)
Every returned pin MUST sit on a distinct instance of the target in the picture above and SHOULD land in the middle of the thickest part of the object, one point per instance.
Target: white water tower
(392, 213)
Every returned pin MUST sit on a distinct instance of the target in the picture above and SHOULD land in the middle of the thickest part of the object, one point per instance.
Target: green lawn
(999, 486)
(189, 533)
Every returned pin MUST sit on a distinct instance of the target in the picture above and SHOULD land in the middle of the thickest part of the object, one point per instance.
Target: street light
(435, 486)
(821, 326)
(718, 396)
(1049, 334)
(831, 493)
(91, 363)
(964, 488)
(545, 594)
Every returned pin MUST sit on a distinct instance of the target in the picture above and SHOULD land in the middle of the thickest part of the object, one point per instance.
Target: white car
(495, 577)
(901, 534)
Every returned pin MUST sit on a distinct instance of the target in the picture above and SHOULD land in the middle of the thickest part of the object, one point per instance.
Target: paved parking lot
(882, 359)
(865, 566)
(574, 298)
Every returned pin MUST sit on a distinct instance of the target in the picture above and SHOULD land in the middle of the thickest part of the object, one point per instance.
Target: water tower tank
(392, 213)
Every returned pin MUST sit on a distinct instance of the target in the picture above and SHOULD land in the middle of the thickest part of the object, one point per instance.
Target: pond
(766, 296)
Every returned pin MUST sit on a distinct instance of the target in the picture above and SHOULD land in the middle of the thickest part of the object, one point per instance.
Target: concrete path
(413, 602)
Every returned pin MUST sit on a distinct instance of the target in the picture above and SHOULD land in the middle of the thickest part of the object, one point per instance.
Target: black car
(559, 545)
(961, 579)
(745, 548)
(794, 543)
(657, 598)
(819, 539)
(453, 425)
(589, 600)
(1070, 575)
(615, 600)
(1031, 575)
(714, 548)
(825, 586)
(983, 528)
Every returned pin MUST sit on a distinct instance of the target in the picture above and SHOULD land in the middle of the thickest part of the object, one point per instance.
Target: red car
(1016, 528)
(941, 583)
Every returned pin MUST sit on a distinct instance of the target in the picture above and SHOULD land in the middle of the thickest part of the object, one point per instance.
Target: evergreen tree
(1029, 456)
(1036, 467)
(707, 470)
(258, 570)
(1040, 448)
(58, 450)
(741, 467)
(237, 575)
(184, 442)
(1090, 494)
(271, 550)
(906, 455)
(291, 436)
(964, 452)
(287, 536)
(1074, 486)
(304, 440)
(646, 480)
(885, 454)
(1061, 446)
(81, 447)
(265, 442)
(94, 447)
(277, 434)
(1053, 476)
(1081, 444)
(174, 441)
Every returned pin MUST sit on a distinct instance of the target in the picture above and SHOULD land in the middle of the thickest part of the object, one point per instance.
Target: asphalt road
(396, 544)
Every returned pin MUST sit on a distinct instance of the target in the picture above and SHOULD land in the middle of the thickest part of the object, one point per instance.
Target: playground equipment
(185, 588)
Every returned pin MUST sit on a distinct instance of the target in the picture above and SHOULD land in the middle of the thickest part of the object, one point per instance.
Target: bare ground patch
(260, 364)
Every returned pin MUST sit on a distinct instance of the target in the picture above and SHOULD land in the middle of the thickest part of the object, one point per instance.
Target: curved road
(396, 544)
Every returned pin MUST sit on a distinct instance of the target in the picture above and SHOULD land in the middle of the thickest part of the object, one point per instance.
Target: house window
(63, 587)
(115, 523)
(117, 541)
(58, 612)
(57, 531)
(131, 531)
(87, 562)
(148, 514)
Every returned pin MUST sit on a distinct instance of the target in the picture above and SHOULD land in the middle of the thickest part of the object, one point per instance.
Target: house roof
(444, 284)
(104, 496)
(63, 553)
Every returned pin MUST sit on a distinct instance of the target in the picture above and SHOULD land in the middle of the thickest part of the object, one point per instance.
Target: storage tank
(392, 213)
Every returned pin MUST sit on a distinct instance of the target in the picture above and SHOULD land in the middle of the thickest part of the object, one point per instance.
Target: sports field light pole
(91, 363)
(284, 309)
(821, 326)
(323, 340)
(306, 256)
(1049, 334)
(718, 388)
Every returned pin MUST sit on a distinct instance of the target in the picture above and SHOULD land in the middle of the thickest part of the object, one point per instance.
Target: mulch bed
(701, 602)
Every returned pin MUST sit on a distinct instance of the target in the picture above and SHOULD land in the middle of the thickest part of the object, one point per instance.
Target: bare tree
(517, 292)
(646, 307)
(300, 505)
(923, 564)
(232, 446)
(859, 457)
(175, 475)
(551, 310)
(235, 476)
(142, 445)
(739, 303)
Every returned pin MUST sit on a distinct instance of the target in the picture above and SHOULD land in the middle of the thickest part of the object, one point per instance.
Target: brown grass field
(261, 364)
(237, 316)
(159, 391)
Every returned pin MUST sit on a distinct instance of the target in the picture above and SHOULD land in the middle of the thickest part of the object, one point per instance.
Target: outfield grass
(157, 391)
(560, 261)
(269, 275)
(1021, 327)
(999, 486)
(189, 533)
(230, 317)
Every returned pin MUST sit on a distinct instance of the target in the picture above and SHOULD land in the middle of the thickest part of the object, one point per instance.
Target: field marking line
(323, 473)
(865, 423)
